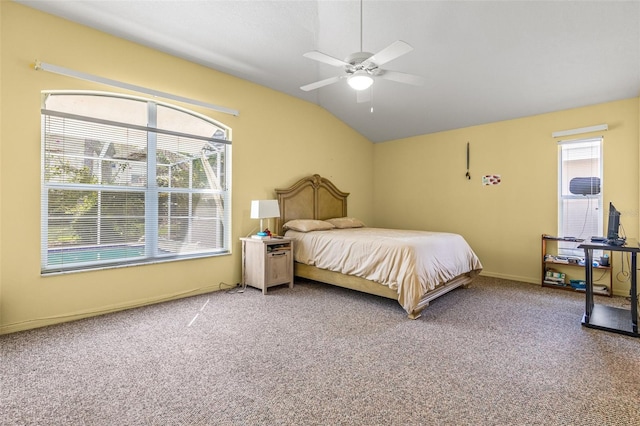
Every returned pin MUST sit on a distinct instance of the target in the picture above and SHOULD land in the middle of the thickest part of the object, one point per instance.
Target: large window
(580, 192)
(130, 180)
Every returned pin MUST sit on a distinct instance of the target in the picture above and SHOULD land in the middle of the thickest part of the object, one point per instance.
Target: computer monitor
(614, 223)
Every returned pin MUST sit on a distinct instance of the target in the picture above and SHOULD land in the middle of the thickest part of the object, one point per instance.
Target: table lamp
(264, 209)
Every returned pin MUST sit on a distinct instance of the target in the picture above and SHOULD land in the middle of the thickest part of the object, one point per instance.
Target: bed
(357, 257)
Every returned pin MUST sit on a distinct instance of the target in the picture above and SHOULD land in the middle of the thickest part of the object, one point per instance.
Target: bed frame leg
(416, 313)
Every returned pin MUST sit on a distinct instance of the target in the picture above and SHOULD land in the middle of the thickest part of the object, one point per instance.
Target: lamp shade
(264, 209)
(360, 80)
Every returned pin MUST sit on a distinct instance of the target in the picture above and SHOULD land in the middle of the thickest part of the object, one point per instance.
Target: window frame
(151, 189)
(569, 248)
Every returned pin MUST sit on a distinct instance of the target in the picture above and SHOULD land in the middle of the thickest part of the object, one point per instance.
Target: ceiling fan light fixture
(360, 80)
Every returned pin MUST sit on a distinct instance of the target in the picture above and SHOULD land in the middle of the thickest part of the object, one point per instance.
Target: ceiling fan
(362, 67)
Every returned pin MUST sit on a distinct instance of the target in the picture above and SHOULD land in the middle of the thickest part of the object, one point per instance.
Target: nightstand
(267, 262)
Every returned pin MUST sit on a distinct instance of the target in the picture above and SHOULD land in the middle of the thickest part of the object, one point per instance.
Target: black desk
(610, 318)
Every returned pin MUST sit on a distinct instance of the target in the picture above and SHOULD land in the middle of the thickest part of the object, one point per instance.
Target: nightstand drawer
(279, 267)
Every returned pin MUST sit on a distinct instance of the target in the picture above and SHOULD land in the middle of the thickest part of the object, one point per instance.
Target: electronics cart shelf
(608, 318)
(549, 262)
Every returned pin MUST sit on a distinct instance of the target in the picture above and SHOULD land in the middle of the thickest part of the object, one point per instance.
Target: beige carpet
(498, 353)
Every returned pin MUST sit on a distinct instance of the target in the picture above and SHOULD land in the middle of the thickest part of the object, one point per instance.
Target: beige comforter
(413, 262)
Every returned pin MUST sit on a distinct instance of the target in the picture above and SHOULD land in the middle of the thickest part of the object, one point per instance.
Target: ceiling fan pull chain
(361, 49)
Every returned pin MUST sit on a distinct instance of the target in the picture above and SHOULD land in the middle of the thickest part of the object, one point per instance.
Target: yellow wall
(277, 139)
(420, 183)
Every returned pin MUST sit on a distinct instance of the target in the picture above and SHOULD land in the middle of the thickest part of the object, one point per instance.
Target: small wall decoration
(491, 180)
(468, 176)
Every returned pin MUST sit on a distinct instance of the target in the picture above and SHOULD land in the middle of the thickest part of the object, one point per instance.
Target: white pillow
(346, 222)
(307, 225)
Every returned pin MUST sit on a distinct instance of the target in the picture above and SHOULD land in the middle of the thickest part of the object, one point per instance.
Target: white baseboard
(528, 280)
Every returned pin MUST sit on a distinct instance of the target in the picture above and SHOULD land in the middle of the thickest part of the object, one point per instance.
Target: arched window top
(134, 110)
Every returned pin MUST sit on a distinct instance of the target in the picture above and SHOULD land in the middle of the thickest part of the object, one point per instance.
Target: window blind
(116, 193)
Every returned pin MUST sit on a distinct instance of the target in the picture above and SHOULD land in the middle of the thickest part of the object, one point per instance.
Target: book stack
(600, 289)
(555, 278)
(597, 289)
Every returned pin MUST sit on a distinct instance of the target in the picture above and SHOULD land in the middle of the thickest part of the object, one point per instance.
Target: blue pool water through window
(94, 254)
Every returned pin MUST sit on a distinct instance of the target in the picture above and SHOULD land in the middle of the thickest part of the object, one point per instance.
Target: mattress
(410, 262)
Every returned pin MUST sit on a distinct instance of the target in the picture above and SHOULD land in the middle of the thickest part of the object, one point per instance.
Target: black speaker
(584, 185)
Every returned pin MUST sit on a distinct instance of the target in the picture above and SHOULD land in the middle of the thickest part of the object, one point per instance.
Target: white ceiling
(483, 61)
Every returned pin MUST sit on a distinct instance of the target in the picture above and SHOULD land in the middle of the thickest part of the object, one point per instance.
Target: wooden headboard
(312, 197)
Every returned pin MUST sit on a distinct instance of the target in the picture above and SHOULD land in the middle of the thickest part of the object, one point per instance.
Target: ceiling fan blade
(324, 58)
(363, 96)
(389, 53)
(321, 83)
(401, 77)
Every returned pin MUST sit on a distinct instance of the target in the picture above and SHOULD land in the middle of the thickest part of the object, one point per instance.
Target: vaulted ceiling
(482, 61)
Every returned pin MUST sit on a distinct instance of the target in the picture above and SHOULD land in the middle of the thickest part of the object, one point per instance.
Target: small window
(130, 180)
(579, 192)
